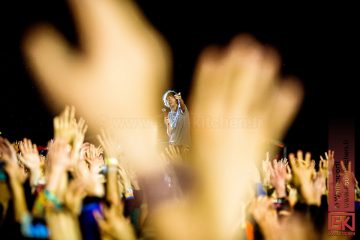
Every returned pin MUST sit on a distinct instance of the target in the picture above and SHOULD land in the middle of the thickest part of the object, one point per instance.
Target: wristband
(129, 193)
(52, 198)
(45, 199)
(111, 161)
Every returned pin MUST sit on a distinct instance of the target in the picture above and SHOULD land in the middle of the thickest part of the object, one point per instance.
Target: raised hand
(266, 166)
(29, 154)
(279, 174)
(239, 83)
(31, 159)
(126, 176)
(124, 63)
(288, 174)
(71, 131)
(265, 215)
(65, 125)
(93, 156)
(347, 173)
(109, 144)
(88, 169)
(114, 224)
(113, 150)
(303, 168)
(58, 162)
(326, 164)
(306, 177)
(326, 167)
(79, 136)
(8, 154)
(16, 146)
(330, 158)
(96, 162)
(58, 157)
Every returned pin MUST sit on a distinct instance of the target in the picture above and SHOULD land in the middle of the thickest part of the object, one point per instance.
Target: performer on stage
(177, 121)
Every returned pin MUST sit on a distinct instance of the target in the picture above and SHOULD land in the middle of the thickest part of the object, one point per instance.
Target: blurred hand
(94, 159)
(279, 174)
(8, 154)
(347, 174)
(80, 129)
(110, 145)
(266, 216)
(306, 178)
(326, 164)
(114, 224)
(123, 62)
(65, 125)
(266, 166)
(58, 157)
(239, 83)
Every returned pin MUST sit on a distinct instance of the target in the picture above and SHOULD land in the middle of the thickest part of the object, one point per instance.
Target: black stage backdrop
(317, 44)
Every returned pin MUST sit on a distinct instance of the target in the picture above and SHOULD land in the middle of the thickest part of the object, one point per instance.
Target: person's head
(170, 100)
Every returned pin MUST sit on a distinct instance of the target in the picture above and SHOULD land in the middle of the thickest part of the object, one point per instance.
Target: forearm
(280, 190)
(62, 187)
(182, 105)
(54, 181)
(128, 190)
(112, 194)
(35, 176)
(310, 196)
(20, 207)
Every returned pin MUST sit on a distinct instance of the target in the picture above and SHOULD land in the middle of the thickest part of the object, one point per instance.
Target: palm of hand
(32, 160)
(278, 177)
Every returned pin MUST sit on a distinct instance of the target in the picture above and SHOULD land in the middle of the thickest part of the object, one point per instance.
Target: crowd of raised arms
(123, 185)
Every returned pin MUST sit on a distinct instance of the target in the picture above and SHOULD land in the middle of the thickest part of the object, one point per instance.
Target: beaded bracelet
(52, 198)
(45, 199)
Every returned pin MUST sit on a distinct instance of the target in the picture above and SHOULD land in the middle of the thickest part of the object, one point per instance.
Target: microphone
(178, 94)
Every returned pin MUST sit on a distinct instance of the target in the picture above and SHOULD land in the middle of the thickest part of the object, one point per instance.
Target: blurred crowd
(124, 185)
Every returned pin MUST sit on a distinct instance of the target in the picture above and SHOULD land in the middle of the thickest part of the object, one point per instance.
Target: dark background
(317, 44)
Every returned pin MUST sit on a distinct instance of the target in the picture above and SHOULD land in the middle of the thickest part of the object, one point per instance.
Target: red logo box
(341, 221)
